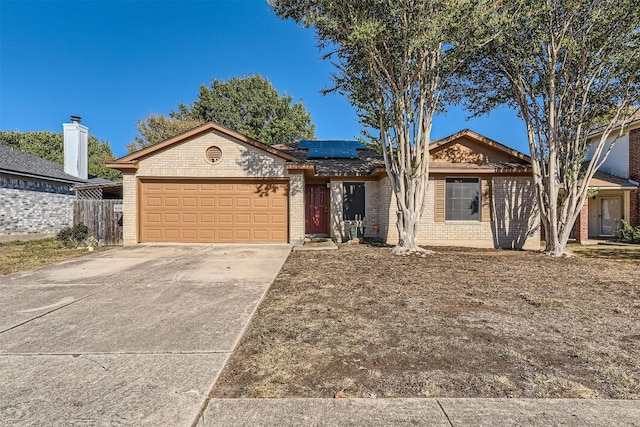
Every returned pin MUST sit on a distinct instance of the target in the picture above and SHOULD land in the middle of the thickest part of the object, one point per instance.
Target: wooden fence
(102, 217)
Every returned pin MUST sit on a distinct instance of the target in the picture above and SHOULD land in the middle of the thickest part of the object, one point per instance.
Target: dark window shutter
(353, 202)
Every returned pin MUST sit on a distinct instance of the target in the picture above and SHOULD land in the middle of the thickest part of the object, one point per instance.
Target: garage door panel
(171, 218)
(213, 211)
(171, 202)
(190, 218)
(171, 233)
(278, 203)
(225, 202)
(225, 219)
(242, 202)
(278, 218)
(207, 218)
(207, 201)
(261, 218)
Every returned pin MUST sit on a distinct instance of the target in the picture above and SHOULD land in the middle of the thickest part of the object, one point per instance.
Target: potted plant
(356, 227)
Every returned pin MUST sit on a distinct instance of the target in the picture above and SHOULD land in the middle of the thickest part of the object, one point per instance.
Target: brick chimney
(76, 140)
(634, 174)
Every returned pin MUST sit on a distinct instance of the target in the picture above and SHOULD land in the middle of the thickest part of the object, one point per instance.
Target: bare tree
(394, 60)
(567, 66)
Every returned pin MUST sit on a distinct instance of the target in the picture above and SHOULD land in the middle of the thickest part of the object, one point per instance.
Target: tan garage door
(213, 211)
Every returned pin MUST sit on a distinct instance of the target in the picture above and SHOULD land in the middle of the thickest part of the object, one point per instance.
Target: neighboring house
(36, 195)
(212, 184)
(616, 194)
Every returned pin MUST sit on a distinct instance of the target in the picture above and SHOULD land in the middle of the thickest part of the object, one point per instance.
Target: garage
(213, 211)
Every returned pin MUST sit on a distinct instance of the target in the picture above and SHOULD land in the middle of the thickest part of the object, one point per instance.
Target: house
(36, 195)
(616, 196)
(212, 184)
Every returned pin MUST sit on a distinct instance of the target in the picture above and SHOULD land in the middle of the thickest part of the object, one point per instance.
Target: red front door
(316, 219)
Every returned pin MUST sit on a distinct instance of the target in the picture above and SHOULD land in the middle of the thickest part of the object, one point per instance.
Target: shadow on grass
(619, 253)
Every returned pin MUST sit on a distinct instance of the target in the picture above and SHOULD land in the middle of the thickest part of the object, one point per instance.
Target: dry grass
(626, 253)
(460, 323)
(24, 255)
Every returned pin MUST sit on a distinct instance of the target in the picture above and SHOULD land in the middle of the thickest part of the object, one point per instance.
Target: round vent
(213, 154)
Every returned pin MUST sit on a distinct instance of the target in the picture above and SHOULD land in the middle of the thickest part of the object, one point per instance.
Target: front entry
(610, 215)
(317, 209)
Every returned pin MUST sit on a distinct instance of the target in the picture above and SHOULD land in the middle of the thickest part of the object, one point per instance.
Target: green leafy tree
(567, 66)
(394, 61)
(248, 105)
(50, 146)
(157, 128)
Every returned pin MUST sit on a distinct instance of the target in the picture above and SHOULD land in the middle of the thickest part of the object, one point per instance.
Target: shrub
(72, 237)
(628, 233)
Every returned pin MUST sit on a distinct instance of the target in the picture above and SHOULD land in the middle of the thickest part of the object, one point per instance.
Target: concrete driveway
(132, 336)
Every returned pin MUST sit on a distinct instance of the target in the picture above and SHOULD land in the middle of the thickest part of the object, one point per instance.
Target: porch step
(314, 243)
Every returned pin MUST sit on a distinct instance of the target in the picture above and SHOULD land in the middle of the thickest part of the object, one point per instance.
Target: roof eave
(43, 177)
(123, 165)
(207, 127)
(481, 138)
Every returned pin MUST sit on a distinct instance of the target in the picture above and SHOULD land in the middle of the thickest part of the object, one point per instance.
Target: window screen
(353, 200)
(463, 199)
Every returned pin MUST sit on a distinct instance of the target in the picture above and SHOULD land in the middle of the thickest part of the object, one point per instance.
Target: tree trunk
(410, 207)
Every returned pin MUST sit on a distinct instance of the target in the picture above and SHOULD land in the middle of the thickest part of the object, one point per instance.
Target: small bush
(628, 233)
(72, 237)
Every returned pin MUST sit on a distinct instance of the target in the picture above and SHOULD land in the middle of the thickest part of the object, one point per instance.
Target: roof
(330, 162)
(16, 162)
(367, 163)
(603, 180)
(480, 138)
(633, 120)
(130, 160)
(370, 161)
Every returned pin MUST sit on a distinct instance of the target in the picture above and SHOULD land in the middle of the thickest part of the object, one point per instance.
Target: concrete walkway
(423, 412)
(131, 336)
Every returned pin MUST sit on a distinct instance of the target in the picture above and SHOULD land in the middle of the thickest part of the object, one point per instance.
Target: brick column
(634, 173)
(582, 223)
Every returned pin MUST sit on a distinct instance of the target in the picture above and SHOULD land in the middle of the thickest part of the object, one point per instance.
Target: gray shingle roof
(17, 162)
(365, 164)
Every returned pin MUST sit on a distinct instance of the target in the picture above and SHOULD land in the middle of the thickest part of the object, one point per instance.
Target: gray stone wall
(29, 206)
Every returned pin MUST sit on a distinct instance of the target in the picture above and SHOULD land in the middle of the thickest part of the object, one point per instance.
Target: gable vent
(213, 154)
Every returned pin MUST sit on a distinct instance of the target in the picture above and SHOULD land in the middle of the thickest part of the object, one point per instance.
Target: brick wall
(582, 224)
(515, 222)
(129, 209)
(238, 160)
(296, 208)
(187, 160)
(338, 228)
(634, 173)
(34, 207)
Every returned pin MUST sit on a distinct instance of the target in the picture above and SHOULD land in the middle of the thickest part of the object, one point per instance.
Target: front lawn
(358, 322)
(24, 255)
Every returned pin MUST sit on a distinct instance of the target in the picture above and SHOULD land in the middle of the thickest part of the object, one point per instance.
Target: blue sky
(113, 62)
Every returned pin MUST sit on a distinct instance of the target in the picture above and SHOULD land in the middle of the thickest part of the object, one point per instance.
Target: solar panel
(306, 144)
(331, 149)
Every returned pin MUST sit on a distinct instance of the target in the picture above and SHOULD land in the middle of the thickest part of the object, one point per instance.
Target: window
(462, 199)
(353, 200)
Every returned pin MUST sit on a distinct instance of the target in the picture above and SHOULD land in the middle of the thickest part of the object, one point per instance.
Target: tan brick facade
(508, 215)
(187, 160)
(339, 230)
(514, 223)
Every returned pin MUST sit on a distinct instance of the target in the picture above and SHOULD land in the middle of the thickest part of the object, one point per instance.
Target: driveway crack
(53, 310)
(444, 412)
